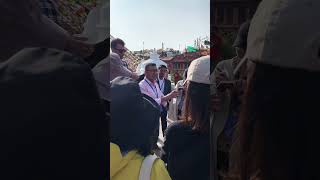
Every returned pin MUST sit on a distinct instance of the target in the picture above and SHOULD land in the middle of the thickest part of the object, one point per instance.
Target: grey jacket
(107, 70)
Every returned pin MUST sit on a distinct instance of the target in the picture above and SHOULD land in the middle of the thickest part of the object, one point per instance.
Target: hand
(79, 47)
(221, 77)
(174, 94)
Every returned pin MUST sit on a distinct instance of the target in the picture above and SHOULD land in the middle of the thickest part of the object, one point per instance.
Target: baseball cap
(278, 23)
(199, 70)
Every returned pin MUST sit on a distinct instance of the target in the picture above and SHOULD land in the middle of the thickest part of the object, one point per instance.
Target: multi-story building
(179, 63)
(230, 14)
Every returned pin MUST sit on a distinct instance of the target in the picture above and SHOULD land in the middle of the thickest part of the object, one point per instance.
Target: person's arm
(117, 68)
(171, 95)
(25, 17)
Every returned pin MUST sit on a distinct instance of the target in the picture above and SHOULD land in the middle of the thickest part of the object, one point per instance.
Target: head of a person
(134, 117)
(59, 128)
(240, 44)
(163, 71)
(277, 123)
(118, 47)
(151, 72)
(197, 95)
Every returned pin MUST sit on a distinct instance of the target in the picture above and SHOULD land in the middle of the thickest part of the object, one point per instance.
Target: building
(179, 63)
(230, 14)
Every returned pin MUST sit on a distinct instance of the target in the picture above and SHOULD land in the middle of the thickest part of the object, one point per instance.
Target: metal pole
(142, 50)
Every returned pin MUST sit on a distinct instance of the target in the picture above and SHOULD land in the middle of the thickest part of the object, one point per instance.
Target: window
(220, 15)
(229, 16)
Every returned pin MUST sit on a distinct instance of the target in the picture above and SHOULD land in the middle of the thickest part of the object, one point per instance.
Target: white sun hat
(199, 70)
(285, 33)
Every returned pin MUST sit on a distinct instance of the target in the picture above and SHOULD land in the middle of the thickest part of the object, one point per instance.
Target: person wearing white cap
(187, 142)
(278, 124)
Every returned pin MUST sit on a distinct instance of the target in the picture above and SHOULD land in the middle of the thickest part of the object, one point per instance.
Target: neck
(151, 80)
(161, 78)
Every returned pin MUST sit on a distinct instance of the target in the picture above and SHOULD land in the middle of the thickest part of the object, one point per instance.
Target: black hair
(149, 65)
(197, 106)
(117, 41)
(101, 51)
(131, 130)
(163, 66)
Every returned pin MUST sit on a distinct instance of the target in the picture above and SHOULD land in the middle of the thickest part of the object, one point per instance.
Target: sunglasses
(121, 50)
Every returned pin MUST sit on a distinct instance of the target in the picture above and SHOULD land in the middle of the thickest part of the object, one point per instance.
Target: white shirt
(162, 84)
(152, 90)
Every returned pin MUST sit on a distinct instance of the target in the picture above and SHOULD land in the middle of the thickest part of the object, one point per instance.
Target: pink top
(152, 90)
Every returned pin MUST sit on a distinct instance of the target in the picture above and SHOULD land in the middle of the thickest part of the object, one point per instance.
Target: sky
(172, 22)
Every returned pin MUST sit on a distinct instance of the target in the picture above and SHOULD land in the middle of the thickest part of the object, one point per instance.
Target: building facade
(228, 15)
(179, 63)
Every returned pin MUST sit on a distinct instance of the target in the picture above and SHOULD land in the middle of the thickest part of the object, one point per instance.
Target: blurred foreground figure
(23, 25)
(53, 125)
(278, 122)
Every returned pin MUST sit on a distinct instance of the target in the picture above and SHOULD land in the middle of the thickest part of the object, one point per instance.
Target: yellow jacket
(128, 167)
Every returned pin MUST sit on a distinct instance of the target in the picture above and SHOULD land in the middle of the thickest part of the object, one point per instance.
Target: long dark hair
(278, 125)
(197, 106)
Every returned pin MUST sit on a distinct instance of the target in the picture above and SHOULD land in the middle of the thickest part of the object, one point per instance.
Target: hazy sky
(172, 22)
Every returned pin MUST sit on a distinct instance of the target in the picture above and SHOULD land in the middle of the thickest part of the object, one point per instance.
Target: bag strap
(147, 164)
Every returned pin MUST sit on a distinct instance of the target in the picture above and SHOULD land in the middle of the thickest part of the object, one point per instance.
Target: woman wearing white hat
(278, 120)
(187, 142)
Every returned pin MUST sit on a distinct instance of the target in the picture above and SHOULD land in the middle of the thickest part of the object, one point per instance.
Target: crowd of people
(250, 117)
(138, 103)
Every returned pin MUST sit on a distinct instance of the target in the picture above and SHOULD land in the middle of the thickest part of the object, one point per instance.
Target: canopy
(191, 49)
(154, 58)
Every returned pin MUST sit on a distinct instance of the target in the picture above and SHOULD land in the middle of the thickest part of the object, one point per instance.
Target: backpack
(147, 164)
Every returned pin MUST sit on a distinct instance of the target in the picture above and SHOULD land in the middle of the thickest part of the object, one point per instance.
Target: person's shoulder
(115, 56)
(224, 62)
(177, 127)
(159, 171)
(141, 82)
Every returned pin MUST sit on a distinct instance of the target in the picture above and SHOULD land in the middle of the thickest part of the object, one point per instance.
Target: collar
(150, 81)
